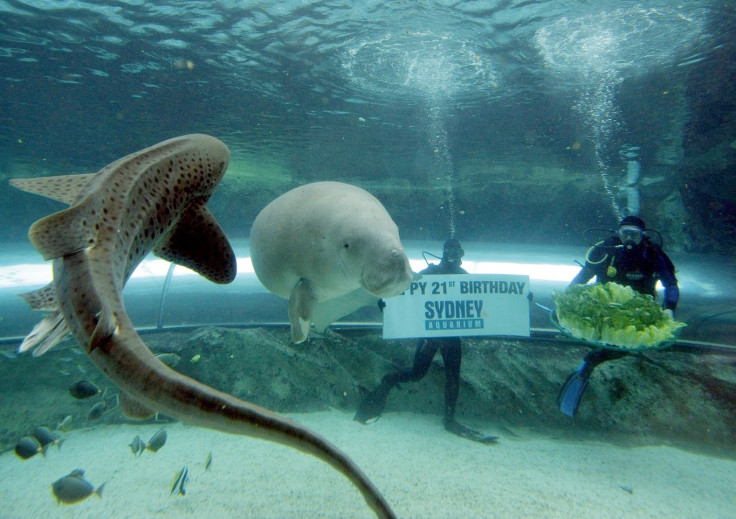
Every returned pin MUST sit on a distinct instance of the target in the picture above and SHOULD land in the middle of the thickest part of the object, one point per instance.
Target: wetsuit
(451, 351)
(637, 266)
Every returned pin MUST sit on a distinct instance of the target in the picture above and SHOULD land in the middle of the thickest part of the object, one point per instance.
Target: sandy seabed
(423, 471)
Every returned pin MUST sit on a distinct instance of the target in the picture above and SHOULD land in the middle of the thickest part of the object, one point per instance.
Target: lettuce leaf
(613, 314)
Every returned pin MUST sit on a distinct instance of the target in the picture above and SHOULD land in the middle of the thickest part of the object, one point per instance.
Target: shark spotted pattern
(152, 200)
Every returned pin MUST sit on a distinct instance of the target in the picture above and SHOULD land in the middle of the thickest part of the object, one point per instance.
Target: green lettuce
(615, 315)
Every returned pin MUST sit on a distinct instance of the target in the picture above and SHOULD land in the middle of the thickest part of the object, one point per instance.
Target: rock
(673, 396)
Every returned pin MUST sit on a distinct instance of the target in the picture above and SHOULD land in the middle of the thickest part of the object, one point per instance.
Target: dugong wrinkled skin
(323, 242)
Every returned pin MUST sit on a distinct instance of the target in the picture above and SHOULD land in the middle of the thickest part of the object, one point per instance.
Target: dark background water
(502, 118)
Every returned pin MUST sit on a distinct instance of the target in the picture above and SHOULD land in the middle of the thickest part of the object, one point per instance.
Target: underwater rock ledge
(508, 386)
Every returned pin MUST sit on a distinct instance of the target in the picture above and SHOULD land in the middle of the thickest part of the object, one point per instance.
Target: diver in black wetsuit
(450, 349)
(628, 258)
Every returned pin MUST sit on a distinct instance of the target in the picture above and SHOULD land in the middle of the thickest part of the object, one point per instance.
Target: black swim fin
(372, 405)
(470, 434)
(572, 391)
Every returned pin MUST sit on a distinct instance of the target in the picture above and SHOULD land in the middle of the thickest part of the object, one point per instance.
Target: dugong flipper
(322, 241)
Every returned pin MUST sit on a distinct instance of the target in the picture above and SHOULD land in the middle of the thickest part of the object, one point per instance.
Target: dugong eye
(352, 245)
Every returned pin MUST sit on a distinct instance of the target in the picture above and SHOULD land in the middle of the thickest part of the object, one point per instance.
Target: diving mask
(453, 254)
(630, 235)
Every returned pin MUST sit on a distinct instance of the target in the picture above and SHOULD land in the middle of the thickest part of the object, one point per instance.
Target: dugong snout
(388, 276)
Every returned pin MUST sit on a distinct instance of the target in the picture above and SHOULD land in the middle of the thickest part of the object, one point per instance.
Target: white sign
(459, 305)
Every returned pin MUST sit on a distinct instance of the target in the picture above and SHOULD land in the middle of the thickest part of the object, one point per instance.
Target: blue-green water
(523, 105)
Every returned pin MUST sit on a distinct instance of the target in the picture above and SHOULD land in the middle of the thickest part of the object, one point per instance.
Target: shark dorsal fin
(198, 242)
(64, 188)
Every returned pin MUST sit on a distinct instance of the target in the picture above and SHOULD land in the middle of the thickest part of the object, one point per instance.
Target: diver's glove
(669, 313)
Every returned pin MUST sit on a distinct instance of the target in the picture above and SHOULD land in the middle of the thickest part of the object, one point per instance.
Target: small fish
(170, 359)
(46, 437)
(74, 488)
(208, 462)
(137, 446)
(184, 480)
(97, 410)
(103, 407)
(84, 389)
(157, 441)
(64, 423)
(626, 489)
(195, 359)
(179, 480)
(28, 447)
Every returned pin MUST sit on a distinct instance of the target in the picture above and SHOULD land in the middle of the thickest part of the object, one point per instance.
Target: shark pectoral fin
(133, 409)
(301, 306)
(67, 231)
(105, 329)
(198, 242)
(64, 188)
(327, 312)
(46, 334)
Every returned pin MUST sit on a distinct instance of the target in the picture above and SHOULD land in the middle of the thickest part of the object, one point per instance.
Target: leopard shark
(154, 200)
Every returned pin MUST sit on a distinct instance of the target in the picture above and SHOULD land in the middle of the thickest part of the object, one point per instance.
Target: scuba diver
(374, 402)
(628, 258)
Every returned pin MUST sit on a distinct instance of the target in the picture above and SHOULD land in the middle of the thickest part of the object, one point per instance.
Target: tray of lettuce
(613, 316)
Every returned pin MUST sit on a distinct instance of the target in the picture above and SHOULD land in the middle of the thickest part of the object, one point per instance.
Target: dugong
(329, 248)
